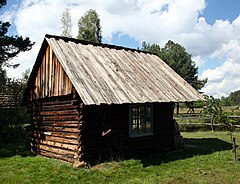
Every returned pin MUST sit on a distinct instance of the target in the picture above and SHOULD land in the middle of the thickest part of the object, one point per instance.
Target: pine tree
(66, 22)
(10, 47)
(176, 56)
(89, 27)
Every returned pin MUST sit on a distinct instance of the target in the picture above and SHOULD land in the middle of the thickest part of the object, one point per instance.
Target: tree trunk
(212, 125)
(177, 107)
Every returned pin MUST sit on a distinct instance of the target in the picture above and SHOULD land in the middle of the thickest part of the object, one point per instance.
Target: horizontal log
(55, 155)
(55, 107)
(59, 124)
(57, 144)
(57, 139)
(55, 101)
(72, 135)
(61, 151)
(55, 122)
(55, 118)
(55, 113)
(57, 129)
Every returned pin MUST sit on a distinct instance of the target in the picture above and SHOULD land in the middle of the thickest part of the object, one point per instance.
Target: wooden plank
(57, 139)
(43, 77)
(57, 129)
(59, 101)
(121, 78)
(56, 150)
(56, 155)
(84, 77)
(46, 72)
(50, 72)
(59, 112)
(76, 122)
(56, 118)
(98, 83)
(70, 70)
(57, 107)
(53, 73)
(55, 93)
(71, 135)
(57, 144)
(56, 124)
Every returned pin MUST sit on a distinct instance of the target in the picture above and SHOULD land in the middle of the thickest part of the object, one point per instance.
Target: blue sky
(208, 29)
(215, 10)
(221, 9)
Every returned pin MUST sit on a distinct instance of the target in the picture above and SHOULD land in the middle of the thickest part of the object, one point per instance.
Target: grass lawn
(207, 158)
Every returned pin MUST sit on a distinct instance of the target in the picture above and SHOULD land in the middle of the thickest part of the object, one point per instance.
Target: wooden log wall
(57, 125)
(102, 118)
(164, 130)
(68, 130)
(51, 80)
(117, 142)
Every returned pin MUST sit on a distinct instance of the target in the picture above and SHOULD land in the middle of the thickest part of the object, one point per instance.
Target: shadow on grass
(192, 147)
(10, 150)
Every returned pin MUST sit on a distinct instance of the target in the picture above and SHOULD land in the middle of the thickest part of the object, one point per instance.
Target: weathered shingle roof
(103, 74)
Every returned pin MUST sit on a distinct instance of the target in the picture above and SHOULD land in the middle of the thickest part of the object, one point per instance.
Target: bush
(13, 117)
(202, 127)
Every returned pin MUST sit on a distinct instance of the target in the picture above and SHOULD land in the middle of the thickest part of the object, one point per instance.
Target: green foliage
(3, 78)
(199, 103)
(2, 3)
(214, 108)
(232, 100)
(179, 60)
(234, 97)
(89, 28)
(207, 158)
(66, 22)
(13, 116)
(11, 46)
(225, 101)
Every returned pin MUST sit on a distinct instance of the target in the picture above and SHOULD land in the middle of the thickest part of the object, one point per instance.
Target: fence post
(234, 150)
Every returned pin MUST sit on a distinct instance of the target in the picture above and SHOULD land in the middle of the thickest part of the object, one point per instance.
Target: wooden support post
(234, 150)
(212, 125)
(177, 107)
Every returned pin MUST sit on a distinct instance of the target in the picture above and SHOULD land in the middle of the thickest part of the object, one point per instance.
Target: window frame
(131, 115)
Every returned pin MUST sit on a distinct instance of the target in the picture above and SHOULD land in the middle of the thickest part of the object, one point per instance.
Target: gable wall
(51, 80)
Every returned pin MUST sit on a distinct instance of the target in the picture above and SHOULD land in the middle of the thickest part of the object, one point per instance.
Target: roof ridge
(84, 42)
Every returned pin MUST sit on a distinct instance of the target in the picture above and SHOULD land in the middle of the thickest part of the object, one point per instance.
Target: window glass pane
(140, 119)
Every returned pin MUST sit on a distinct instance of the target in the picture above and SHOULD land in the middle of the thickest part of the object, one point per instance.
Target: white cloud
(199, 60)
(143, 20)
(225, 78)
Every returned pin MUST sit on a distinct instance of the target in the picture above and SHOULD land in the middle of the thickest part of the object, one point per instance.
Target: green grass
(207, 158)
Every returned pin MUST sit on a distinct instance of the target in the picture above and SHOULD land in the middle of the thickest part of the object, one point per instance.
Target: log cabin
(89, 102)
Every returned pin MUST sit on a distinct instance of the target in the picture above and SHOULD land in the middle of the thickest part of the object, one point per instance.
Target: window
(140, 120)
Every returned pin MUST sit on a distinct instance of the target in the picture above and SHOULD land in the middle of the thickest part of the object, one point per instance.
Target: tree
(89, 27)
(234, 98)
(10, 46)
(2, 3)
(66, 22)
(179, 60)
